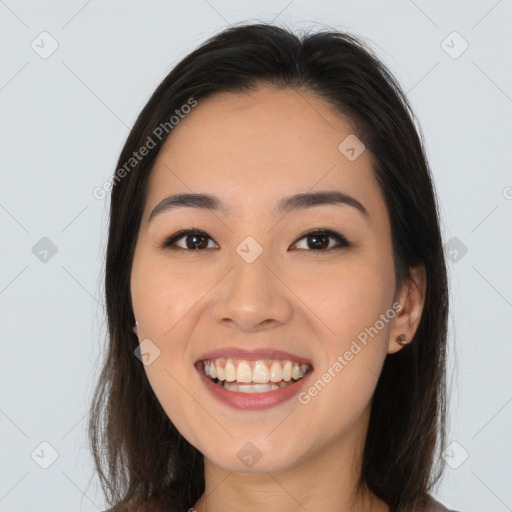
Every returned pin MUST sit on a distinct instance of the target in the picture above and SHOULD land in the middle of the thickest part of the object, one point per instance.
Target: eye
(320, 239)
(194, 240)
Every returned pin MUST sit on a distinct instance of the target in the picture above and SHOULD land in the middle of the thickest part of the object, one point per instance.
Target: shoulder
(435, 506)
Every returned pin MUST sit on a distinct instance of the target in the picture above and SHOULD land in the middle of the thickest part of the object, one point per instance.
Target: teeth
(255, 388)
(258, 372)
(243, 372)
(276, 372)
(296, 372)
(221, 374)
(230, 371)
(287, 370)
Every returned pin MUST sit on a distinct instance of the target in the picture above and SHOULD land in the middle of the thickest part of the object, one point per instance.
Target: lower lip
(251, 401)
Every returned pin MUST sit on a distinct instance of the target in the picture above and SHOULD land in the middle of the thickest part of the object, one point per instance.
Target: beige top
(432, 506)
(436, 506)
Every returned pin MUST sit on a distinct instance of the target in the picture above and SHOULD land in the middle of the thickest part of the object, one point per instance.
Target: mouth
(253, 380)
(253, 376)
(258, 376)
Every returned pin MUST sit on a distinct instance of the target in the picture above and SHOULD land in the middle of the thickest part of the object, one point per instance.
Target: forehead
(255, 148)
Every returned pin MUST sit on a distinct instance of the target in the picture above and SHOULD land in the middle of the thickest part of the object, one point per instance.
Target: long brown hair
(143, 461)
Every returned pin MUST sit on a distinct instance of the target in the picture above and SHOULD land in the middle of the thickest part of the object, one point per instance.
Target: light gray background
(64, 119)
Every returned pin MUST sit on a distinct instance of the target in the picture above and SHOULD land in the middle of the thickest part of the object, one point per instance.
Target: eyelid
(329, 233)
(170, 241)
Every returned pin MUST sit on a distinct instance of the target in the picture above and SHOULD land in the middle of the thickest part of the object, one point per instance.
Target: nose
(253, 297)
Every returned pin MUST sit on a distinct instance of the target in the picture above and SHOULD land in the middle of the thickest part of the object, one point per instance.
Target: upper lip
(253, 355)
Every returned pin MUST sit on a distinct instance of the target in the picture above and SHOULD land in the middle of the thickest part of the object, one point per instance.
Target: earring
(401, 340)
(135, 327)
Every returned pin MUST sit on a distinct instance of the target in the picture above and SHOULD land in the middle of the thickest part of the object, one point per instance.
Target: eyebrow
(284, 206)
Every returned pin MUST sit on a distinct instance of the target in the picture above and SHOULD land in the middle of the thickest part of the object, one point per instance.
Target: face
(254, 277)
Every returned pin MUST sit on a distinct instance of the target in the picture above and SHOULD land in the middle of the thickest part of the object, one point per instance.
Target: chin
(250, 459)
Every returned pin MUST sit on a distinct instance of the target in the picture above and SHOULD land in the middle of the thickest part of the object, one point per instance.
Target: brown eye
(193, 240)
(319, 240)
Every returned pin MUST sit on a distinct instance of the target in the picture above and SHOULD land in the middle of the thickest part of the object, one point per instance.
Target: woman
(276, 288)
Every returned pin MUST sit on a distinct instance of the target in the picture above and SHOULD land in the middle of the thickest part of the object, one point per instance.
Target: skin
(251, 150)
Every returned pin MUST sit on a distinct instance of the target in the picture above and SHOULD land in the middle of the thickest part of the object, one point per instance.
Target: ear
(411, 298)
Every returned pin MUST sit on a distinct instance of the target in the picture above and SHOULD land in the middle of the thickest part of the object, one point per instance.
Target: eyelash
(169, 243)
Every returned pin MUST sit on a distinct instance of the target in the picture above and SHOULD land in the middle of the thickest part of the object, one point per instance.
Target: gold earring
(401, 339)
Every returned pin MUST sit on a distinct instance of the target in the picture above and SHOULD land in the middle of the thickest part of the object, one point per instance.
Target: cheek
(163, 302)
(348, 299)
(168, 382)
(162, 297)
(350, 303)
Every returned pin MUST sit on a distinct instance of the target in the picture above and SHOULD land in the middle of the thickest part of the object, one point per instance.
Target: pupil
(320, 245)
(194, 238)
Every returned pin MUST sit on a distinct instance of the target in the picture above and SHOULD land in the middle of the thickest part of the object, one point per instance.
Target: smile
(254, 376)
(259, 384)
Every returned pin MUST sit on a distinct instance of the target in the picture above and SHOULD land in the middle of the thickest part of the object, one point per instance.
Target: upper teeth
(260, 371)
